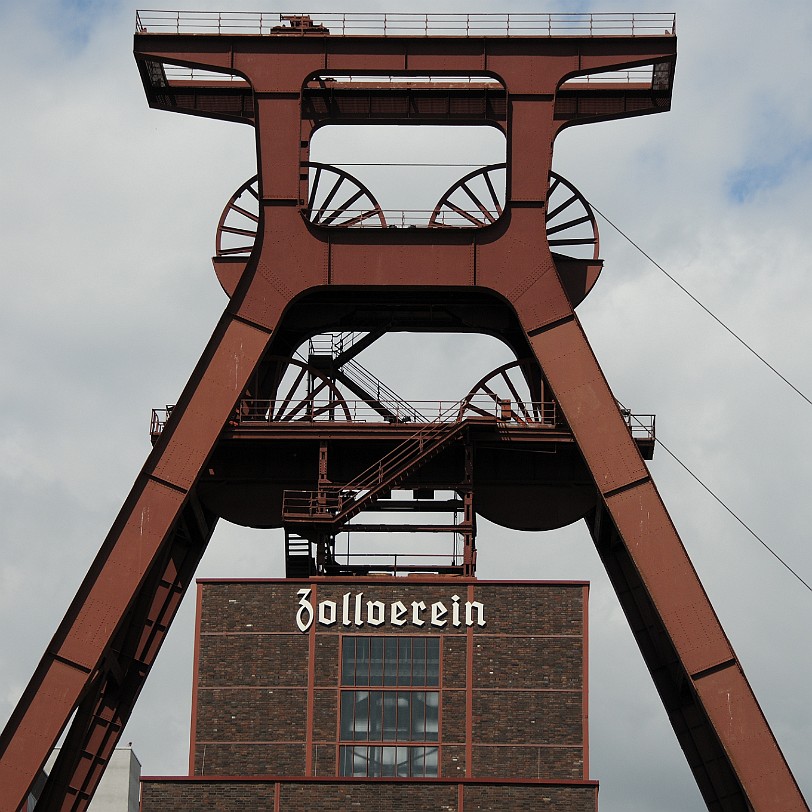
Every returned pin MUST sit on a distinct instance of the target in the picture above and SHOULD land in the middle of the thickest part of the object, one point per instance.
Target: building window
(387, 702)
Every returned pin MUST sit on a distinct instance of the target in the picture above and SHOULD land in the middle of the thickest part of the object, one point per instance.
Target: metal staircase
(299, 561)
(334, 355)
(313, 518)
(334, 505)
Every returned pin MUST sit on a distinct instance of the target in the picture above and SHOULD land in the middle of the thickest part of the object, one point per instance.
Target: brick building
(419, 693)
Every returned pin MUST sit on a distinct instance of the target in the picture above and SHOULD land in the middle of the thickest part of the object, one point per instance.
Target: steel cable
(706, 309)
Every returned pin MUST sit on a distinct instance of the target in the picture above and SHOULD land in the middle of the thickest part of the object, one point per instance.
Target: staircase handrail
(348, 499)
(386, 396)
(419, 438)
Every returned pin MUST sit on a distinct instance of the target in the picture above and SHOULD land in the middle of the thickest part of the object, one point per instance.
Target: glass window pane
(375, 715)
(362, 661)
(375, 766)
(361, 761)
(388, 756)
(347, 711)
(390, 661)
(353, 761)
(418, 726)
(404, 661)
(419, 661)
(431, 762)
(418, 762)
(432, 661)
(376, 661)
(345, 761)
(404, 716)
(390, 710)
(403, 761)
(432, 716)
(360, 728)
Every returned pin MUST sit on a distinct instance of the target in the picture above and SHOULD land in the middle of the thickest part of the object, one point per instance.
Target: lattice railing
(405, 24)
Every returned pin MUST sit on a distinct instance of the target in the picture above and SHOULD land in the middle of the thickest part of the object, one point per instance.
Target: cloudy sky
(107, 218)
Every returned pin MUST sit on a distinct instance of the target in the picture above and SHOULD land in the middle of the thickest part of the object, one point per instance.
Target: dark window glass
(391, 712)
(390, 661)
(373, 761)
(360, 726)
(419, 661)
(404, 714)
(404, 661)
(390, 715)
(348, 661)
(376, 661)
(347, 714)
(418, 708)
(362, 661)
(432, 716)
(432, 661)
(375, 715)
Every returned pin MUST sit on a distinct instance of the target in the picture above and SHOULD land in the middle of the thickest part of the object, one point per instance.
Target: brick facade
(219, 795)
(512, 695)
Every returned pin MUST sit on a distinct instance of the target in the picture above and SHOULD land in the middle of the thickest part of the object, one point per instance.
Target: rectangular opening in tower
(405, 151)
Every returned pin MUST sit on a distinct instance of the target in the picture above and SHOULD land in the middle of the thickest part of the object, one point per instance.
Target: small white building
(119, 788)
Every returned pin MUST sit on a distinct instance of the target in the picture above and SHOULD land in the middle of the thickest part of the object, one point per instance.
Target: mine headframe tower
(268, 440)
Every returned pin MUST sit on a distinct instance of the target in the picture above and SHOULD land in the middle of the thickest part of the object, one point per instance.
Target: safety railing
(311, 504)
(158, 421)
(255, 413)
(395, 563)
(339, 503)
(406, 24)
(383, 394)
(638, 76)
(336, 344)
(422, 81)
(641, 426)
(464, 217)
(333, 344)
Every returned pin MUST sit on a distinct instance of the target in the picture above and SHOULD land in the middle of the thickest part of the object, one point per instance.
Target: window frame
(374, 679)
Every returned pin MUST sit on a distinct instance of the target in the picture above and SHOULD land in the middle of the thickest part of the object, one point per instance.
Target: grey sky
(107, 217)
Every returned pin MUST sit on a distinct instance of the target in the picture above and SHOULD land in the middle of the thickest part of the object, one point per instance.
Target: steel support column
(720, 726)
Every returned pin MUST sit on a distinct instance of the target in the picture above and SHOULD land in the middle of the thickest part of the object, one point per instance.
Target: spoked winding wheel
(513, 392)
(301, 392)
(339, 200)
(473, 201)
(237, 229)
(570, 220)
(476, 200)
(336, 199)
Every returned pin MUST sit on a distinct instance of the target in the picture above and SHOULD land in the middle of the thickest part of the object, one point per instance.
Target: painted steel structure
(308, 265)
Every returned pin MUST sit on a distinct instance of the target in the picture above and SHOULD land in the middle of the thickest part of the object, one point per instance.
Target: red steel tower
(304, 250)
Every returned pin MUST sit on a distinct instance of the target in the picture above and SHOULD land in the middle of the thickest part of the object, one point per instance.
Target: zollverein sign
(353, 610)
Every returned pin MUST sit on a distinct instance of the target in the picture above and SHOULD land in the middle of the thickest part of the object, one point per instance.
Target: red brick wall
(166, 795)
(258, 708)
(519, 714)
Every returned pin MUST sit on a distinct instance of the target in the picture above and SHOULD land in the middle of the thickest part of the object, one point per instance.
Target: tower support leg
(721, 728)
(101, 653)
